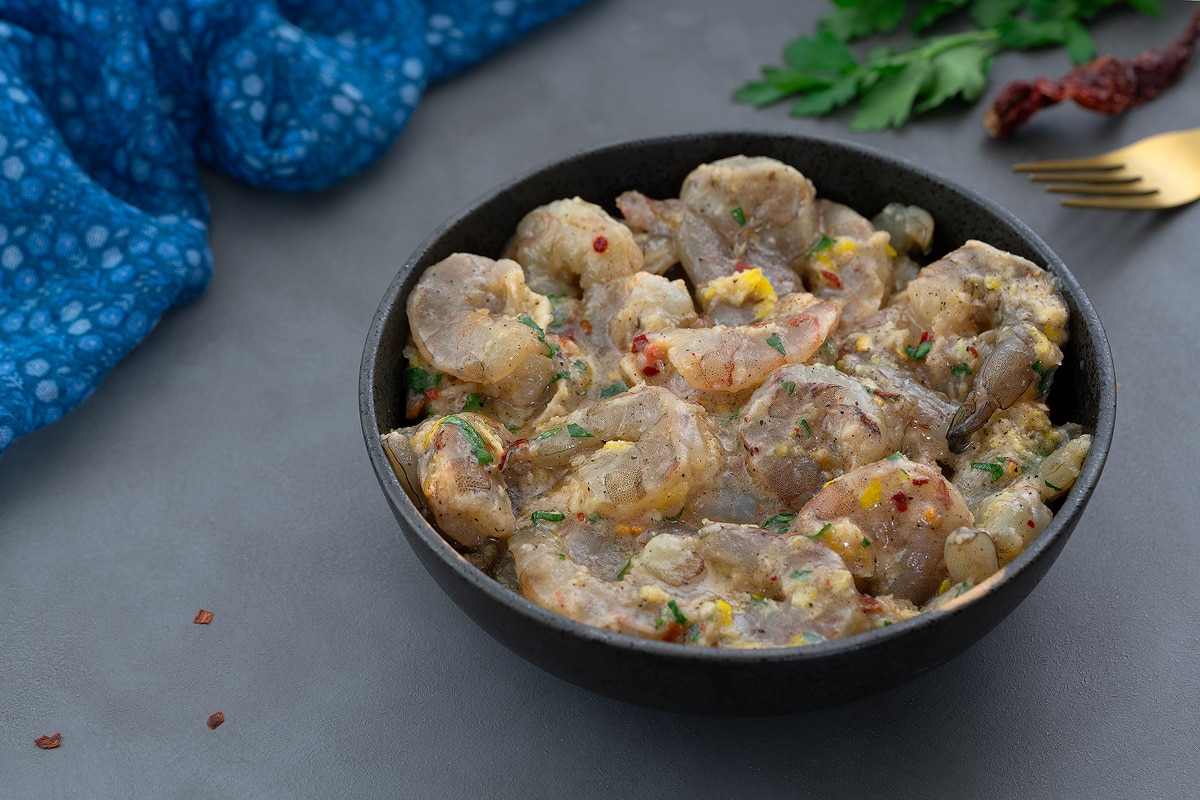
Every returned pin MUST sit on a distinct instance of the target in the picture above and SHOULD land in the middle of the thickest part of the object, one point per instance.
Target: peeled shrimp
(978, 287)
(911, 232)
(644, 450)
(1006, 373)
(1003, 307)
(725, 359)
(640, 303)
(457, 467)
(919, 412)
(726, 584)
(1015, 515)
(809, 424)
(888, 521)
(653, 223)
(754, 210)
(1007, 521)
(910, 228)
(568, 245)
(855, 268)
(475, 319)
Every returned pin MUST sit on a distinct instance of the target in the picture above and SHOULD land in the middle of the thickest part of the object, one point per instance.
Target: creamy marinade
(741, 417)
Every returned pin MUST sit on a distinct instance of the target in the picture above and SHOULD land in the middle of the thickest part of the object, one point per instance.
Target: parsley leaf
(997, 469)
(782, 521)
(824, 243)
(577, 431)
(528, 321)
(422, 380)
(853, 19)
(920, 351)
(625, 569)
(824, 73)
(478, 448)
(889, 101)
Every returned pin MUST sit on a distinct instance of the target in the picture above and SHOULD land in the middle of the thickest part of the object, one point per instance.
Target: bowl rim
(1065, 516)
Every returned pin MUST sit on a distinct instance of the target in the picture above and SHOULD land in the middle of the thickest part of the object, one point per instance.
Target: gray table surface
(221, 466)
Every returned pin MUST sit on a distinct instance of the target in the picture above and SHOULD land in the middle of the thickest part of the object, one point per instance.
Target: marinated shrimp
(889, 521)
(456, 466)
(568, 245)
(982, 299)
(851, 264)
(737, 359)
(807, 425)
(477, 320)
(808, 437)
(641, 451)
(723, 585)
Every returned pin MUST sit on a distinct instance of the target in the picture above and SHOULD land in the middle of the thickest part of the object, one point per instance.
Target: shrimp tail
(1004, 376)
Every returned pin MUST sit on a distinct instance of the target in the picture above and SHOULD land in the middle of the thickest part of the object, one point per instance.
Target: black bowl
(708, 680)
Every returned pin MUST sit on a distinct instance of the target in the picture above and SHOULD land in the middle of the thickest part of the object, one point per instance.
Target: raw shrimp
(852, 264)
(756, 211)
(978, 287)
(1007, 521)
(644, 450)
(568, 245)
(789, 466)
(1014, 516)
(653, 223)
(725, 359)
(911, 232)
(1014, 364)
(475, 319)
(888, 521)
(620, 309)
(457, 467)
(999, 305)
(732, 585)
(808, 424)
(1012, 444)
(910, 228)
(763, 209)
(918, 411)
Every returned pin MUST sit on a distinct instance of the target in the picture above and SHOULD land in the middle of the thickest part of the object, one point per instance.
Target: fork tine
(1107, 178)
(1137, 203)
(1095, 163)
(1106, 189)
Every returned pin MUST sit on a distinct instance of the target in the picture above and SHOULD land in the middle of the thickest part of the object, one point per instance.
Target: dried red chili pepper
(48, 742)
(1107, 85)
(203, 617)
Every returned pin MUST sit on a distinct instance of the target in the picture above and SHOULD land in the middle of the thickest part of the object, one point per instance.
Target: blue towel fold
(106, 108)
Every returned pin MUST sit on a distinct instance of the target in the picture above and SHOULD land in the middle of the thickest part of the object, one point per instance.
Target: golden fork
(1161, 171)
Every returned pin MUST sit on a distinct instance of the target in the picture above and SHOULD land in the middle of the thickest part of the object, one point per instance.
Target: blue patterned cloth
(106, 108)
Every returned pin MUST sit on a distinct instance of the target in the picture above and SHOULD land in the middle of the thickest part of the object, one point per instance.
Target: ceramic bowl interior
(709, 680)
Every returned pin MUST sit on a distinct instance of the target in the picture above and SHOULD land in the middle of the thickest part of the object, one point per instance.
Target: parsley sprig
(890, 86)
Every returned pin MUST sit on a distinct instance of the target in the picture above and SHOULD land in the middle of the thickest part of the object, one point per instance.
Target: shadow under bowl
(709, 680)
